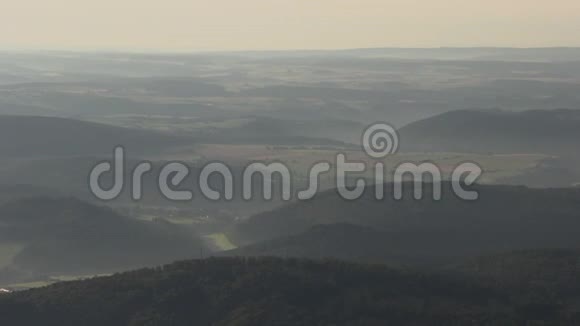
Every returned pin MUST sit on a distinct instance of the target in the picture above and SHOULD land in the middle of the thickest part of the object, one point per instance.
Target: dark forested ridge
(269, 291)
(554, 268)
(504, 218)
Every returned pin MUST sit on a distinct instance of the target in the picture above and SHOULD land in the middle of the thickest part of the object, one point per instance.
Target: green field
(68, 278)
(52, 280)
(220, 241)
(29, 285)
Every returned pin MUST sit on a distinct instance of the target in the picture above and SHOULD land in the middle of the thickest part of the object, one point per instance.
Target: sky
(200, 25)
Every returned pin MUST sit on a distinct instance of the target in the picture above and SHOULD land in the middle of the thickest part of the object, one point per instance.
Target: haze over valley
(507, 258)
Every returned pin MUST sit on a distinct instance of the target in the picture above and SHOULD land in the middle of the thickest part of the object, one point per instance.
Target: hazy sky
(286, 24)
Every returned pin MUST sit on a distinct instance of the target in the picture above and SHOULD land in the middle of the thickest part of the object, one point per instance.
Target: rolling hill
(27, 136)
(416, 232)
(336, 241)
(66, 236)
(495, 131)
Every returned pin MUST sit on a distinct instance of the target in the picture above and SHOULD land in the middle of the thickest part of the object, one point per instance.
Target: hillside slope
(270, 291)
(71, 237)
(503, 219)
(27, 136)
(495, 131)
(254, 292)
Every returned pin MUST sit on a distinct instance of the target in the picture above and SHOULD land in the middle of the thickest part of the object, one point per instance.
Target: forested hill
(495, 131)
(260, 292)
(28, 136)
(413, 232)
(65, 236)
(518, 210)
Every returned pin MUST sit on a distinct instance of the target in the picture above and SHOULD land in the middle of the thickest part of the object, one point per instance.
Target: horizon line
(321, 50)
